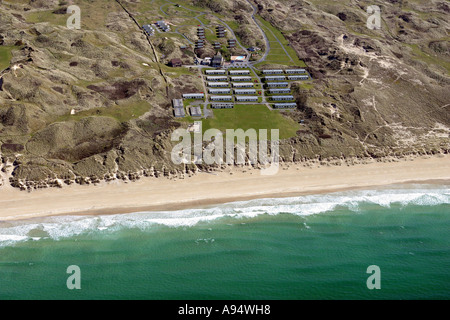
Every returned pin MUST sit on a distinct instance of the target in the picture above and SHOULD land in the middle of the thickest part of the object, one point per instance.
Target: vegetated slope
(378, 92)
(92, 104)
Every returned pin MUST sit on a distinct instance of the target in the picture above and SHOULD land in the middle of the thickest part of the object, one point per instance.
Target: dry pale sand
(203, 189)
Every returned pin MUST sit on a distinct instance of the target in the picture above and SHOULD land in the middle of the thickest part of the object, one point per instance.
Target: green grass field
(251, 116)
(277, 55)
(5, 56)
(121, 113)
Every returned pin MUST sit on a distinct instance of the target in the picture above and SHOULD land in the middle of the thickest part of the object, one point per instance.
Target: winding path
(266, 40)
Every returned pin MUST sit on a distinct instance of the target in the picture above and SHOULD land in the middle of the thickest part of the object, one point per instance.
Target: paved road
(263, 58)
(266, 40)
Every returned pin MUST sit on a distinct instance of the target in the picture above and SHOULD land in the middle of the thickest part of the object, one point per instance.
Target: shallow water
(308, 247)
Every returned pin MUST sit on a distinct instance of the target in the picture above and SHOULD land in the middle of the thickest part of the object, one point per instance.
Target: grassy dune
(5, 56)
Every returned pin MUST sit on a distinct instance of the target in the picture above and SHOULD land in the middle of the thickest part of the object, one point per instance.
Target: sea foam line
(67, 226)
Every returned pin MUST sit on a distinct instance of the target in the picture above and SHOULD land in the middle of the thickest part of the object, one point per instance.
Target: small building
(195, 111)
(148, 29)
(287, 105)
(243, 85)
(216, 78)
(217, 61)
(244, 91)
(215, 71)
(298, 77)
(163, 25)
(177, 103)
(238, 72)
(246, 98)
(199, 44)
(277, 84)
(275, 78)
(231, 43)
(243, 78)
(279, 90)
(295, 71)
(176, 62)
(179, 112)
(219, 90)
(222, 105)
(193, 96)
(282, 98)
(221, 98)
(220, 34)
(272, 71)
(218, 84)
(217, 45)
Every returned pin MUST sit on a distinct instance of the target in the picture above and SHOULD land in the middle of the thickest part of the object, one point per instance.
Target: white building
(298, 77)
(222, 105)
(244, 91)
(273, 71)
(279, 90)
(163, 25)
(275, 78)
(220, 71)
(195, 111)
(148, 29)
(287, 105)
(295, 71)
(217, 78)
(277, 84)
(219, 90)
(246, 98)
(238, 72)
(282, 98)
(243, 78)
(218, 84)
(193, 95)
(177, 103)
(221, 98)
(179, 112)
(243, 85)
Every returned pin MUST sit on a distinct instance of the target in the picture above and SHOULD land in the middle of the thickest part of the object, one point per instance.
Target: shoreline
(207, 189)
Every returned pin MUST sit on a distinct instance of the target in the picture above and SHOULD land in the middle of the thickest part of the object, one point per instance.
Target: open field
(121, 113)
(280, 51)
(251, 116)
(5, 56)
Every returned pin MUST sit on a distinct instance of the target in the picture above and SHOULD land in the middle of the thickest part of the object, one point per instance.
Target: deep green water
(311, 247)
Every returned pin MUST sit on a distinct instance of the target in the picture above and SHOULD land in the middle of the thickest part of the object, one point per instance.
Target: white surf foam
(69, 226)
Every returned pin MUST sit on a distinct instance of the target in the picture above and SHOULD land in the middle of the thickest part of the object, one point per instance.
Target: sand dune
(212, 188)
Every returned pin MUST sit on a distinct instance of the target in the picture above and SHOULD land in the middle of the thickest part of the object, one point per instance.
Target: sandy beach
(151, 194)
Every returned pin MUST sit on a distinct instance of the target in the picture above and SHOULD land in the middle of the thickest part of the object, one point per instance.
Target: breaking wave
(68, 226)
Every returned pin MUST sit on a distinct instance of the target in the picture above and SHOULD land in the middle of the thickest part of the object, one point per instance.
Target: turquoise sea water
(308, 247)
